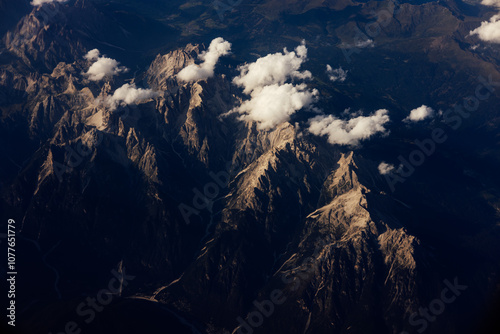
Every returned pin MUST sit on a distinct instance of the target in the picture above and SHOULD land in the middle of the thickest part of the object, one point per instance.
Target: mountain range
(206, 153)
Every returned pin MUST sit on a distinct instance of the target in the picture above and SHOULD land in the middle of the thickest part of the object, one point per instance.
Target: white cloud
(218, 48)
(103, 66)
(350, 132)
(272, 100)
(384, 168)
(273, 69)
(337, 74)
(274, 104)
(420, 114)
(41, 2)
(92, 55)
(489, 31)
(365, 44)
(495, 3)
(128, 94)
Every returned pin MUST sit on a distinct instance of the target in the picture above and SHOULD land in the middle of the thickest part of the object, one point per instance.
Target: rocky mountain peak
(162, 70)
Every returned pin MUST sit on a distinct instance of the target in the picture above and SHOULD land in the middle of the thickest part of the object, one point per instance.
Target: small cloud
(128, 94)
(419, 114)
(337, 74)
(494, 3)
(368, 43)
(273, 100)
(347, 113)
(349, 132)
(385, 168)
(41, 2)
(489, 31)
(103, 66)
(92, 55)
(218, 48)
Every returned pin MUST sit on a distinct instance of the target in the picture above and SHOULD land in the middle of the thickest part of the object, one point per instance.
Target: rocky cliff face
(350, 256)
(332, 265)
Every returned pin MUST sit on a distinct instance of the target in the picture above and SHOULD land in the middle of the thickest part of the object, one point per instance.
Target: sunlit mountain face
(239, 166)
